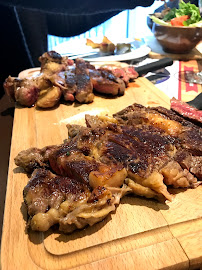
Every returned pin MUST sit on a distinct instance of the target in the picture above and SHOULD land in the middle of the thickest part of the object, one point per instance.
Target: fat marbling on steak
(186, 110)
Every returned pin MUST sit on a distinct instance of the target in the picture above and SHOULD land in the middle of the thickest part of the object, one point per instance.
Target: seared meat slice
(66, 160)
(25, 91)
(105, 82)
(84, 91)
(71, 88)
(33, 158)
(186, 133)
(73, 164)
(190, 162)
(10, 86)
(46, 190)
(186, 110)
(49, 97)
(53, 199)
(139, 115)
(126, 74)
(187, 136)
(101, 202)
(66, 81)
(177, 177)
(131, 72)
(52, 62)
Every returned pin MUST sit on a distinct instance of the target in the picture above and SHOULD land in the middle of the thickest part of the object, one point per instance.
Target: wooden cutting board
(141, 234)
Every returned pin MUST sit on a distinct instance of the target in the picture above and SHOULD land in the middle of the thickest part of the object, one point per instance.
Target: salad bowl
(178, 30)
(177, 39)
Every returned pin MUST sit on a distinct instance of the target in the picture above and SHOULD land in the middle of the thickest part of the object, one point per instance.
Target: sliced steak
(186, 110)
(84, 91)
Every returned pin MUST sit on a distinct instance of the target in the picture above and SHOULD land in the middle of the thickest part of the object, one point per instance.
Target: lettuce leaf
(159, 21)
(190, 10)
(184, 9)
(198, 24)
(170, 15)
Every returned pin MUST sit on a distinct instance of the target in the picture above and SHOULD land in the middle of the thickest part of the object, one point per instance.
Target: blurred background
(133, 25)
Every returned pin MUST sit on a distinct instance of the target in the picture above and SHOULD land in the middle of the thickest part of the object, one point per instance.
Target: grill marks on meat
(79, 194)
(84, 85)
(53, 199)
(53, 190)
(187, 136)
(139, 150)
(75, 165)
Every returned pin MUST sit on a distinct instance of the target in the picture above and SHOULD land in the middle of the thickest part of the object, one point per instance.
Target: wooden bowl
(176, 39)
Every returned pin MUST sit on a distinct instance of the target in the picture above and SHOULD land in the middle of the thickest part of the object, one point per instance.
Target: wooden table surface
(140, 234)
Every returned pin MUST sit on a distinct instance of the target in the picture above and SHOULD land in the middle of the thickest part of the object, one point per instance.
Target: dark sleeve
(77, 7)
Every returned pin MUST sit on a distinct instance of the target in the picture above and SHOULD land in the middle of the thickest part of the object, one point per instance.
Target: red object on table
(178, 21)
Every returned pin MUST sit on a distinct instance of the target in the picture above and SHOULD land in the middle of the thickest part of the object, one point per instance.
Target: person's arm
(77, 7)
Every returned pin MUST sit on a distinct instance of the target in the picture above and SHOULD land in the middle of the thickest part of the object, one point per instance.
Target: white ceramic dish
(79, 47)
(27, 73)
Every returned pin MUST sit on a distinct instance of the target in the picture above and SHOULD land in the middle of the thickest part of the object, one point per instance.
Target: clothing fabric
(77, 7)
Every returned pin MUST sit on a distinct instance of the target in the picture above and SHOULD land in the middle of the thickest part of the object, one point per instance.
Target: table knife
(162, 63)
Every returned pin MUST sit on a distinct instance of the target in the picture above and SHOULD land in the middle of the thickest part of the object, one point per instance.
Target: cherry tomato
(178, 21)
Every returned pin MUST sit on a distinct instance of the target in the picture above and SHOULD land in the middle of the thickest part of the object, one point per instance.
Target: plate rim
(135, 54)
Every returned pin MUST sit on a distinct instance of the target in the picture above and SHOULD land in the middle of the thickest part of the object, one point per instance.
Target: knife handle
(196, 102)
(154, 66)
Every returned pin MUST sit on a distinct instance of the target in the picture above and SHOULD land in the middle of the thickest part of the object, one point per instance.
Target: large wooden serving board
(141, 234)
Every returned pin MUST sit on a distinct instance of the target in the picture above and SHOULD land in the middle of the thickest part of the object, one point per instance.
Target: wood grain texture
(140, 234)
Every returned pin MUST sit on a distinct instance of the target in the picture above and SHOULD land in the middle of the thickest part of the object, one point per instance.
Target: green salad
(186, 15)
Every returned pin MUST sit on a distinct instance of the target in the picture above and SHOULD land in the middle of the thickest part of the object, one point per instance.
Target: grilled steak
(52, 62)
(139, 150)
(187, 136)
(84, 92)
(25, 92)
(61, 76)
(186, 110)
(126, 74)
(53, 199)
(106, 82)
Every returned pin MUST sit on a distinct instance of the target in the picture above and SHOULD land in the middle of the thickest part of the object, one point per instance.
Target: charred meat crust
(73, 80)
(140, 150)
